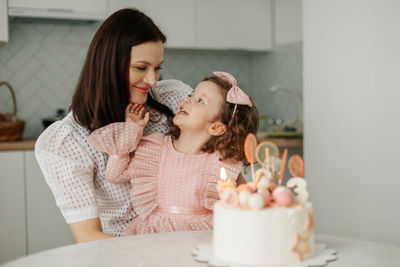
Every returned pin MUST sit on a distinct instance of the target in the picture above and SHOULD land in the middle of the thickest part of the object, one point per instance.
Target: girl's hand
(134, 113)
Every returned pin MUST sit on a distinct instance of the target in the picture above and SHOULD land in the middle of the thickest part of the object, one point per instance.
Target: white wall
(352, 116)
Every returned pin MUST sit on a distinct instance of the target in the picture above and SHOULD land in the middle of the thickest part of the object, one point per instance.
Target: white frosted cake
(274, 235)
(261, 223)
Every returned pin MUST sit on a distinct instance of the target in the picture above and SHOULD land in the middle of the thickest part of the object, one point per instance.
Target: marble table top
(174, 249)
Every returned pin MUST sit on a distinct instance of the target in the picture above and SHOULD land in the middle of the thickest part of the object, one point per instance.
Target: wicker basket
(11, 129)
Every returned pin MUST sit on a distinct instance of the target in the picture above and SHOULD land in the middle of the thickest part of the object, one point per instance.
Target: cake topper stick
(273, 170)
(283, 163)
(273, 155)
(250, 145)
(266, 158)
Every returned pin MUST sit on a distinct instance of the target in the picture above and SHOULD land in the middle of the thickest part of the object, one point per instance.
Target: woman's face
(144, 70)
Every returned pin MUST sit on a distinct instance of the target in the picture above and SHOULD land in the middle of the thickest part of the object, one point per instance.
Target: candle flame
(223, 174)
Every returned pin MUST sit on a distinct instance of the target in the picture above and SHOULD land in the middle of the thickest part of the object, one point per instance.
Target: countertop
(175, 249)
(18, 145)
(280, 142)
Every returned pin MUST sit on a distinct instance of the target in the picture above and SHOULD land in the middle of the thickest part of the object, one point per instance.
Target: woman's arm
(88, 230)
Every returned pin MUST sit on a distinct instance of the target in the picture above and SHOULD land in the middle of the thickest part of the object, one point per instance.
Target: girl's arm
(88, 230)
(117, 170)
(118, 140)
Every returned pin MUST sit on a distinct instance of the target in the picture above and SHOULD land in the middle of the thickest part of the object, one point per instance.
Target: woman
(123, 63)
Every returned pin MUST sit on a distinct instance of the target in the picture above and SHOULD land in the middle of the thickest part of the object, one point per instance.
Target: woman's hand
(134, 113)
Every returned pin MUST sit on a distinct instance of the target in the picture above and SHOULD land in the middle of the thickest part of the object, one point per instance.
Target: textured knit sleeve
(146, 165)
(67, 165)
(117, 140)
(232, 169)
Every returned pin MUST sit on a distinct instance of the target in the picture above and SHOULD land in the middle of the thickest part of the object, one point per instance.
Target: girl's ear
(218, 128)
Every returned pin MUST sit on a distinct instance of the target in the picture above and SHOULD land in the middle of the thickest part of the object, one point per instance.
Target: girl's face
(144, 69)
(199, 111)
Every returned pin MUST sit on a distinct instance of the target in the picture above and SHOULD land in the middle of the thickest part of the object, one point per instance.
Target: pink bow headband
(235, 94)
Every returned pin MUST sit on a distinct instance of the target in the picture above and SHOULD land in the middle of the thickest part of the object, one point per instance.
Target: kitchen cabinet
(234, 24)
(3, 22)
(174, 17)
(192, 24)
(209, 24)
(46, 227)
(12, 206)
(58, 9)
(31, 221)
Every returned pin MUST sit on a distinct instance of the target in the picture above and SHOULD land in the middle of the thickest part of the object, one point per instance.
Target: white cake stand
(322, 255)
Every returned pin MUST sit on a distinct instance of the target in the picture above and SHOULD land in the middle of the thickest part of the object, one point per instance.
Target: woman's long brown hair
(102, 92)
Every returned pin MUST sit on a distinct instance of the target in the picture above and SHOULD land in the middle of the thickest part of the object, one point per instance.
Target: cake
(264, 222)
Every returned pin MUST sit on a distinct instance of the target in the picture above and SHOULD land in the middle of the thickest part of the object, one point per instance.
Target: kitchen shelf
(18, 145)
(281, 141)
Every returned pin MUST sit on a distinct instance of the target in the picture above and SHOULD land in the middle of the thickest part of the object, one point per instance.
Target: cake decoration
(256, 201)
(301, 246)
(299, 186)
(223, 182)
(250, 145)
(266, 222)
(262, 156)
(229, 196)
(279, 213)
(244, 198)
(263, 191)
(310, 223)
(296, 166)
(282, 167)
(245, 187)
(283, 196)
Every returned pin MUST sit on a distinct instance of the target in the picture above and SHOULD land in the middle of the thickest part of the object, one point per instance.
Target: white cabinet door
(12, 206)
(176, 18)
(46, 226)
(234, 24)
(71, 9)
(3, 21)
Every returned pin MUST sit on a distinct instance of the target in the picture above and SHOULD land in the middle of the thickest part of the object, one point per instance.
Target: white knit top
(75, 171)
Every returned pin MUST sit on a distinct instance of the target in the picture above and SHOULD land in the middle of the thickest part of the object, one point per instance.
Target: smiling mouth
(143, 90)
(182, 112)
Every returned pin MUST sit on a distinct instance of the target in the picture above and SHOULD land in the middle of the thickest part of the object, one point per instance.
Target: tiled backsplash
(43, 59)
(283, 66)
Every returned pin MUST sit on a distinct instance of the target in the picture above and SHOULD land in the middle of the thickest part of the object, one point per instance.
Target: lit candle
(223, 182)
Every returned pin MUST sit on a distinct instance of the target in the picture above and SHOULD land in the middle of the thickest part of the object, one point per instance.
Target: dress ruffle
(210, 194)
(146, 166)
(161, 222)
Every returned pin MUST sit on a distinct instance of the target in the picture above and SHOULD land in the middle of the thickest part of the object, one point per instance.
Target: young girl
(174, 177)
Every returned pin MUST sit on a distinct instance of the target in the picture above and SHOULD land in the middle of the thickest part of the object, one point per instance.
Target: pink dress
(171, 191)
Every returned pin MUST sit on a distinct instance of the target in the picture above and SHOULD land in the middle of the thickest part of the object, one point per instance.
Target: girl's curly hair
(244, 121)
